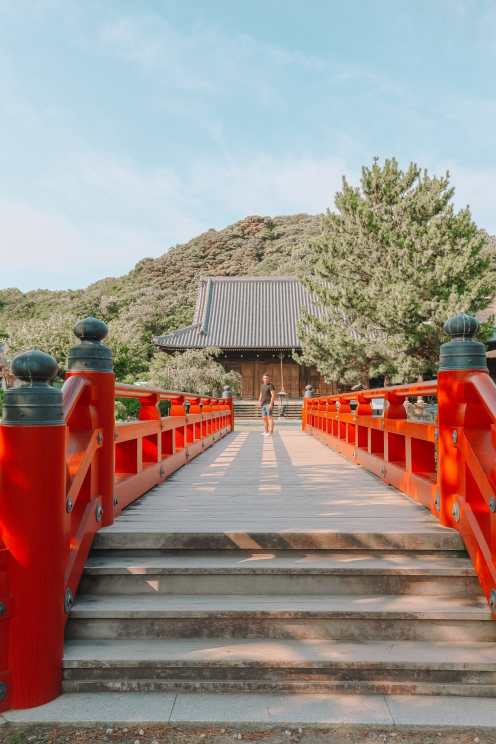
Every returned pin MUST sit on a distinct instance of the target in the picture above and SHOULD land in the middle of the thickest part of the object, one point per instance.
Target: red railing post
(227, 399)
(307, 396)
(177, 409)
(32, 513)
(458, 359)
(148, 410)
(93, 360)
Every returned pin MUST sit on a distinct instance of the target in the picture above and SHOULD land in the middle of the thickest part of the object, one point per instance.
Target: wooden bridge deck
(289, 490)
(273, 564)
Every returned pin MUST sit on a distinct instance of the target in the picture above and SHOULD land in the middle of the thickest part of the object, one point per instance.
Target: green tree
(52, 335)
(193, 371)
(393, 262)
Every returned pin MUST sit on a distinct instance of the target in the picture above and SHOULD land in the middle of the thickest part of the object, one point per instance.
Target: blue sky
(129, 126)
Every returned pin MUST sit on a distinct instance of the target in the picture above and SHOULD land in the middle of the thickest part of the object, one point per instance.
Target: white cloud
(475, 187)
(204, 60)
(44, 249)
(266, 184)
(158, 208)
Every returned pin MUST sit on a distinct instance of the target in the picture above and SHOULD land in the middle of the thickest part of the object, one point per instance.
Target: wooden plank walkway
(289, 485)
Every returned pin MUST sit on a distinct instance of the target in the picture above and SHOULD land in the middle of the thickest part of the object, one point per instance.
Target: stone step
(279, 572)
(357, 618)
(152, 536)
(209, 665)
(360, 718)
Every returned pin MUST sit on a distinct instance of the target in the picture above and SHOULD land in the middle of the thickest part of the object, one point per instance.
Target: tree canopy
(393, 262)
(193, 371)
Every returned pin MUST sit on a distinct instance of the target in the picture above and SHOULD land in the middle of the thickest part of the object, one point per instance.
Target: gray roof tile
(244, 313)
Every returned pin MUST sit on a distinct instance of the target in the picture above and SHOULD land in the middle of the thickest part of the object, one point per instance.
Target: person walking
(266, 403)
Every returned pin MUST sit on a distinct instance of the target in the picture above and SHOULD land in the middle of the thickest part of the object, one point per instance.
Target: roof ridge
(250, 278)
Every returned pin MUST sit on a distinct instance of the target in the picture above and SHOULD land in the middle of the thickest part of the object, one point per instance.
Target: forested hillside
(158, 294)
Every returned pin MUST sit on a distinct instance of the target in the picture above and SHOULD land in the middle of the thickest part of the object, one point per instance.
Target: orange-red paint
(448, 466)
(58, 486)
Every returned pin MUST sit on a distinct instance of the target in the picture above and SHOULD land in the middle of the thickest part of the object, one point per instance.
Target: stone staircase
(326, 612)
(249, 409)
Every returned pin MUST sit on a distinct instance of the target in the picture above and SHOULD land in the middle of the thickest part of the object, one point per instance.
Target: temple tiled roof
(244, 313)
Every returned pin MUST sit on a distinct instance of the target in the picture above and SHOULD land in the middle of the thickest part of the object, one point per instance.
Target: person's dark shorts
(266, 411)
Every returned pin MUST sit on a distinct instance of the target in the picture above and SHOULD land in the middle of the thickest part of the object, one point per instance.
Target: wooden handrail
(123, 390)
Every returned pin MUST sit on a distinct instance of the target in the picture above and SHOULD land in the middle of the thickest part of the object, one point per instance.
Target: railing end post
(307, 395)
(227, 397)
(459, 357)
(92, 360)
(32, 508)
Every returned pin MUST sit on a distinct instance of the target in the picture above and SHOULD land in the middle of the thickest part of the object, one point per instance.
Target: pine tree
(393, 262)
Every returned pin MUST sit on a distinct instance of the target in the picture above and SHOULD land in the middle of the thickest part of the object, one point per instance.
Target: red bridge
(269, 563)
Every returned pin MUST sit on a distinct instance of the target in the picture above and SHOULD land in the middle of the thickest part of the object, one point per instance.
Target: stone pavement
(254, 709)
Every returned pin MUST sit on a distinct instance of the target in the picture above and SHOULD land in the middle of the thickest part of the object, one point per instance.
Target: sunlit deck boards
(284, 491)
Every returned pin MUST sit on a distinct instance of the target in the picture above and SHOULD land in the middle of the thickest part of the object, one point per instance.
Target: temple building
(254, 321)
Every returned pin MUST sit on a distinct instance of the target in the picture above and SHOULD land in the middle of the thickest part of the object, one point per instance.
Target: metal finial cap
(91, 355)
(226, 392)
(462, 326)
(462, 352)
(34, 366)
(308, 391)
(35, 402)
(91, 329)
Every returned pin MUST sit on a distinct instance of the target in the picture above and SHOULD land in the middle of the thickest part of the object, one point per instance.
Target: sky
(129, 126)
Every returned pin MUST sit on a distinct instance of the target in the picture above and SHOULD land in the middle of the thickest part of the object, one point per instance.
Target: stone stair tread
(279, 653)
(290, 562)
(156, 535)
(282, 606)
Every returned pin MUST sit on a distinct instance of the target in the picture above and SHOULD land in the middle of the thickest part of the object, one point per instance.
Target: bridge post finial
(309, 391)
(34, 401)
(92, 360)
(463, 352)
(90, 355)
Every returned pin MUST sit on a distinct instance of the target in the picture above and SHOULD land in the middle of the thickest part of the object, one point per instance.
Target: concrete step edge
(288, 606)
(298, 652)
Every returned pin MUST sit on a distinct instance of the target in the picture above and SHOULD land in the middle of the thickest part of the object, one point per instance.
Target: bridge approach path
(271, 564)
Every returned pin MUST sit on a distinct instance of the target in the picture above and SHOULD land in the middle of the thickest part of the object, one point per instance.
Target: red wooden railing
(448, 466)
(68, 468)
